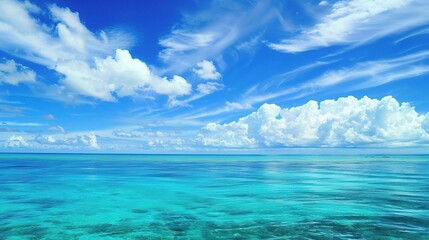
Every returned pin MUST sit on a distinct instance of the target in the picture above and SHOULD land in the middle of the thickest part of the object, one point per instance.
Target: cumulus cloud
(86, 141)
(157, 142)
(234, 134)
(16, 142)
(357, 22)
(14, 74)
(207, 70)
(426, 123)
(45, 140)
(121, 76)
(346, 122)
(177, 144)
(62, 43)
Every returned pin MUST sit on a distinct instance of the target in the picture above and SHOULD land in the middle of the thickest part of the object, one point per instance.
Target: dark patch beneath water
(45, 203)
(24, 231)
(140, 211)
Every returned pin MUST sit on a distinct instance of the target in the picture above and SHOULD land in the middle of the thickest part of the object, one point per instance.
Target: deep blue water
(59, 196)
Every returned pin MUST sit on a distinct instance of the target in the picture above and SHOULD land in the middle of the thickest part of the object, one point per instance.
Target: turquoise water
(54, 196)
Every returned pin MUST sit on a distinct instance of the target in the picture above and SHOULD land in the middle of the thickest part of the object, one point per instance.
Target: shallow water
(55, 196)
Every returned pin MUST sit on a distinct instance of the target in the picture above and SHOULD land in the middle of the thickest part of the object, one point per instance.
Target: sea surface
(70, 196)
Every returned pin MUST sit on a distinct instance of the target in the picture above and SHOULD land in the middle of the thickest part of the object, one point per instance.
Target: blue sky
(214, 76)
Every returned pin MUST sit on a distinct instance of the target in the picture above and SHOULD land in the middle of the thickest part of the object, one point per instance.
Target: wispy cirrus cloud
(25, 124)
(361, 75)
(202, 90)
(413, 34)
(225, 108)
(5, 108)
(356, 22)
(208, 33)
(56, 129)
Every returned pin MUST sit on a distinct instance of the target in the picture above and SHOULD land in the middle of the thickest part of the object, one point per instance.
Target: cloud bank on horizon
(346, 122)
(214, 76)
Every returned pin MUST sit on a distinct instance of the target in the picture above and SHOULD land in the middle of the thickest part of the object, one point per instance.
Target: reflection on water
(213, 197)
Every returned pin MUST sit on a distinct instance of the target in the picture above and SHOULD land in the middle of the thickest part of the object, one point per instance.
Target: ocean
(77, 196)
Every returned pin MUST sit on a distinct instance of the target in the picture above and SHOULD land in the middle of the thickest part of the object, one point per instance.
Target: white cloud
(208, 33)
(203, 89)
(12, 109)
(208, 88)
(57, 129)
(425, 123)
(89, 140)
(186, 41)
(362, 75)
(346, 122)
(3, 129)
(176, 143)
(207, 70)
(14, 74)
(16, 142)
(26, 124)
(228, 107)
(233, 134)
(375, 73)
(61, 37)
(45, 140)
(125, 134)
(136, 138)
(49, 117)
(249, 45)
(157, 142)
(74, 36)
(79, 141)
(64, 44)
(323, 3)
(235, 105)
(121, 76)
(414, 34)
(357, 22)
(21, 34)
